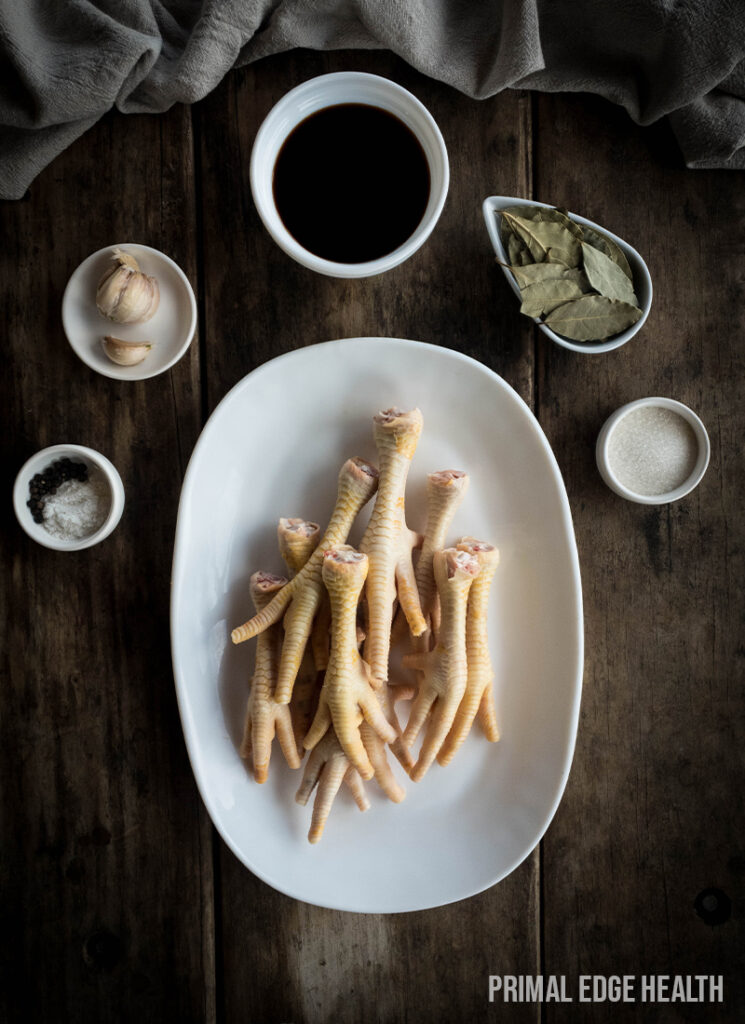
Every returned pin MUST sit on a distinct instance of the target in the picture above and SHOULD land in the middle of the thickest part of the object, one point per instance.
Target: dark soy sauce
(351, 183)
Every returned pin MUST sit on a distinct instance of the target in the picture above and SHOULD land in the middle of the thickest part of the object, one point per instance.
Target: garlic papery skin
(126, 295)
(125, 353)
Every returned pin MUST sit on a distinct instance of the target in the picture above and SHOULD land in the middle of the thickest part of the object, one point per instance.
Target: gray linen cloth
(65, 63)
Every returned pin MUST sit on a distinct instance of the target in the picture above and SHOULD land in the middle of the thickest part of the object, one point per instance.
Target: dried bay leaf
(592, 318)
(568, 223)
(606, 277)
(545, 296)
(579, 277)
(527, 212)
(521, 229)
(506, 232)
(516, 249)
(555, 214)
(560, 256)
(517, 252)
(507, 235)
(540, 236)
(609, 248)
(533, 273)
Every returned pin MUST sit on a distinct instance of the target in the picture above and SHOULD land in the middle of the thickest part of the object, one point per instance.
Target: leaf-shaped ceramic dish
(273, 447)
(642, 281)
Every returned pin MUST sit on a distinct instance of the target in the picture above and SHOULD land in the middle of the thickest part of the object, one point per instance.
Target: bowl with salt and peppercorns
(68, 497)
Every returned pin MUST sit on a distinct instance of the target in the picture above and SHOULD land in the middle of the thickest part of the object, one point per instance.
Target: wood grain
(114, 906)
(106, 864)
(654, 811)
(308, 964)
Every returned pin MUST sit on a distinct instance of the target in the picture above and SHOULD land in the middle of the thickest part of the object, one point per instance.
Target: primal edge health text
(612, 988)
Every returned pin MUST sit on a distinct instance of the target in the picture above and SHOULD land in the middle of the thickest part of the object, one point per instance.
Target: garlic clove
(126, 295)
(110, 289)
(125, 353)
(138, 300)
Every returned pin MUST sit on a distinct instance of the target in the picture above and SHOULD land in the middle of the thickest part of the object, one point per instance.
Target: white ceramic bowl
(328, 91)
(642, 280)
(696, 475)
(170, 330)
(78, 453)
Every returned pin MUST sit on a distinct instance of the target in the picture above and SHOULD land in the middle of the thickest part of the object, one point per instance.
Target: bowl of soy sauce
(349, 173)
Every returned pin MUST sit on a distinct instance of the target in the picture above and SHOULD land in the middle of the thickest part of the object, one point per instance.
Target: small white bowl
(642, 280)
(328, 91)
(696, 475)
(37, 464)
(170, 330)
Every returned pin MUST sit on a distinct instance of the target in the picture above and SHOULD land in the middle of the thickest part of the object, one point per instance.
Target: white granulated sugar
(78, 508)
(652, 450)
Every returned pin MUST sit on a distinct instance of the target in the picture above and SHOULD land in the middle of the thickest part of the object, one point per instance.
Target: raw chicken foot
(388, 542)
(445, 670)
(264, 716)
(445, 492)
(346, 695)
(298, 539)
(479, 696)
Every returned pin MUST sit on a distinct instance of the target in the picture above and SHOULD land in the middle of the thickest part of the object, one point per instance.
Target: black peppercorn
(45, 483)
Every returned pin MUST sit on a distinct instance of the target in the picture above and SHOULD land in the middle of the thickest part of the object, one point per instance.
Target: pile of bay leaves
(577, 279)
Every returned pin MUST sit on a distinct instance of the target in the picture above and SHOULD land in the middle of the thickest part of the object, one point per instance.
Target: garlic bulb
(125, 353)
(125, 294)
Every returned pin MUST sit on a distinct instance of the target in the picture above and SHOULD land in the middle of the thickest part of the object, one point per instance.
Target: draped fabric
(65, 63)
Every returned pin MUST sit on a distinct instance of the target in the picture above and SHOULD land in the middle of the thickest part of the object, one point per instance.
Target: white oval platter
(273, 447)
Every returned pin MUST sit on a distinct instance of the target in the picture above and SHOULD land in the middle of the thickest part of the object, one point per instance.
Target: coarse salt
(78, 508)
(652, 450)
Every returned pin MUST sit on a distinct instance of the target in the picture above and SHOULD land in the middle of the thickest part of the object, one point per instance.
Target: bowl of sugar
(68, 497)
(653, 451)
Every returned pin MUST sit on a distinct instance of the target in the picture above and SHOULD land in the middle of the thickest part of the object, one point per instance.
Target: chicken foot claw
(327, 767)
(375, 747)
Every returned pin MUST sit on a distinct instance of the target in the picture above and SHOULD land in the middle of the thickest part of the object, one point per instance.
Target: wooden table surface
(119, 900)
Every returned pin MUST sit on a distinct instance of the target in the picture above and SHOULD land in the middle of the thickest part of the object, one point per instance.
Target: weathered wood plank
(106, 861)
(653, 812)
(284, 960)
